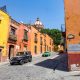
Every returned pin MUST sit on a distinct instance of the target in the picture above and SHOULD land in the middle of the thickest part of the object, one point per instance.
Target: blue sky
(50, 12)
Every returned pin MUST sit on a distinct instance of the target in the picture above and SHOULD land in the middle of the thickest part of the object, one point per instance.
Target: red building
(72, 20)
(23, 37)
(19, 38)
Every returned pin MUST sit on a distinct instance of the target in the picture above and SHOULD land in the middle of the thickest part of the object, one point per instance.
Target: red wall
(20, 35)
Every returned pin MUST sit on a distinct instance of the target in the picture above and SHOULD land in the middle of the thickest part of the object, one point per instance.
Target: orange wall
(72, 20)
(72, 13)
(47, 38)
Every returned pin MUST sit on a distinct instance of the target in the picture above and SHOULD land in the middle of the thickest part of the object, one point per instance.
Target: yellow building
(4, 26)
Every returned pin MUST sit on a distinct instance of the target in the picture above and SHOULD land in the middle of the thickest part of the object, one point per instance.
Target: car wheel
(21, 62)
(11, 63)
(26, 60)
(30, 59)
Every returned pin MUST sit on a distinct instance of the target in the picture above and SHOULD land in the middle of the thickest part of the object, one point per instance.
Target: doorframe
(0, 54)
(9, 53)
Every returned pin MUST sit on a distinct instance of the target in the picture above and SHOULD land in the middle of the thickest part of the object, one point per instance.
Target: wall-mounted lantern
(70, 36)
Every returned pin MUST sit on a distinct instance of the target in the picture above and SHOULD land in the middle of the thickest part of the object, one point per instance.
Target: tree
(55, 34)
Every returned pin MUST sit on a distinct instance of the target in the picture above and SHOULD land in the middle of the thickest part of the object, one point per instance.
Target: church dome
(38, 23)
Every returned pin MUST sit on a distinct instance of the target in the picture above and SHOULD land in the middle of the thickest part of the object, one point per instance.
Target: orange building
(72, 20)
(28, 37)
(39, 42)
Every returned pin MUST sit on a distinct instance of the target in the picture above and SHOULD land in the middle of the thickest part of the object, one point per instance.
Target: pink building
(12, 38)
(19, 38)
(23, 37)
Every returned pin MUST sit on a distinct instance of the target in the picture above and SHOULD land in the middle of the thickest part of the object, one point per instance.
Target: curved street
(39, 69)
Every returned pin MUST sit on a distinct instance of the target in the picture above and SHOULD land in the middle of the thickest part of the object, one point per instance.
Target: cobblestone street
(31, 71)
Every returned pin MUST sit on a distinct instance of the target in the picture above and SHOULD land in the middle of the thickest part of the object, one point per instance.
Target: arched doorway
(11, 51)
(0, 54)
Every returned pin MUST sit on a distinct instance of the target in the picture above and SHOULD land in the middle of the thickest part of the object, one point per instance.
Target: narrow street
(39, 69)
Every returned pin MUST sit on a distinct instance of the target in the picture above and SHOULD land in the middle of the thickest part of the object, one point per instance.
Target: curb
(64, 74)
(4, 63)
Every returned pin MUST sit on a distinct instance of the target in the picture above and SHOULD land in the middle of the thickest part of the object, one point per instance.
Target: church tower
(38, 24)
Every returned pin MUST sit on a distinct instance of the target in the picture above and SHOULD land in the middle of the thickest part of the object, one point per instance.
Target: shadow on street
(59, 63)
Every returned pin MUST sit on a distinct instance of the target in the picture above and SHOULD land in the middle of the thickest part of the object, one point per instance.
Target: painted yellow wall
(4, 27)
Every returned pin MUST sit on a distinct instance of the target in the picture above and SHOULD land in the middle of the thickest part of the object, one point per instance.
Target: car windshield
(20, 53)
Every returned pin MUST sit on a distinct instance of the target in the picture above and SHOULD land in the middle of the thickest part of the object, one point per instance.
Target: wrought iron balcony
(12, 37)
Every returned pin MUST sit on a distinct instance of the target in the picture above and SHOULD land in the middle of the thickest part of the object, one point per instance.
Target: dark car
(21, 58)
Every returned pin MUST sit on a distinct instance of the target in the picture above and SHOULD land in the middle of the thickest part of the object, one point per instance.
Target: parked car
(46, 54)
(61, 52)
(21, 58)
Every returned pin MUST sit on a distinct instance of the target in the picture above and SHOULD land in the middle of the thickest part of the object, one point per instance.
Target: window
(41, 41)
(47, 48)
(25, 47)
(25, 32)
(35, 38)
(52, 49)
(25, 35)
(12, 34)
(0, 51)
(41, 48)
(0, 21)
(50, 41)
(35, 49)
(44, 42)
(12, 31)
(40, 38)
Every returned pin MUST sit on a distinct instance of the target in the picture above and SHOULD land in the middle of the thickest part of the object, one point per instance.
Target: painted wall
(13, 24)
(33, 44)
(4, 27)
(20, 35)
(72, 20)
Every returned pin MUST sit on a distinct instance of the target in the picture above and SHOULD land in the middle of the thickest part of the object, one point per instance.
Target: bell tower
(38, 24)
